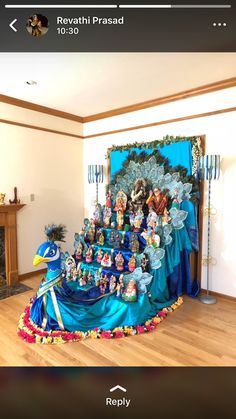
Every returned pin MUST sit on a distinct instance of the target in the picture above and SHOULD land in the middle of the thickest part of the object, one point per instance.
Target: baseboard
(218, 294)
(28, 275)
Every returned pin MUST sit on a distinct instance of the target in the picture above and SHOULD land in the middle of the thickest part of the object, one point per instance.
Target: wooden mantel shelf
(8, 221)
(11, 207)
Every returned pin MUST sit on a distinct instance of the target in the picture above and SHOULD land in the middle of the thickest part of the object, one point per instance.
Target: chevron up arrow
(118, 388)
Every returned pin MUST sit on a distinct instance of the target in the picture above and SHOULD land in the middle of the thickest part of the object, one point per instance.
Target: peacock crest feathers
(55, 232)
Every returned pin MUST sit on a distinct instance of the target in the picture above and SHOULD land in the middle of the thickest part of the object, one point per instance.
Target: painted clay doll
(130, 292)
(138, 220)
(111, 240)
(138, 195)
(117, 240)
(90, 278)
(175, 199)
(100, 237)
(83, 278)
(112, 283)
(152, 218)
(91, 231)
(75, 274)
(107, 216)
(99, 256)
(79, 252)
(106, 260)
(97, 277)
(89, 255)
(121, 201)
(134, 243)
(165, 217)
(108, 199)
(97, 214)
(132, 263)
(145, 263)
(120, 285)
(120, 219)
(131, 219)
(149, 236)
(157, 201)
(119, 262)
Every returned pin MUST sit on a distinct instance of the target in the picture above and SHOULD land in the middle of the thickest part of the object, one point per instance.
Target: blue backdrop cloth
(86, 309)
(179, 153)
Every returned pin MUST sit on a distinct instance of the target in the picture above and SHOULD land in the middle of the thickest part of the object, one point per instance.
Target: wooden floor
(194, 335)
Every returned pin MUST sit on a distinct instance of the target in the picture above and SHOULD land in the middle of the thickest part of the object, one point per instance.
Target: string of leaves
(168, 139)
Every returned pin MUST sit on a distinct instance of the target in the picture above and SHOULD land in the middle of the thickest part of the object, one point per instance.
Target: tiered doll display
(120, 279)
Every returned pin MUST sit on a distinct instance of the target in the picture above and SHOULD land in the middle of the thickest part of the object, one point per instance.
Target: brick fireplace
(8, 216)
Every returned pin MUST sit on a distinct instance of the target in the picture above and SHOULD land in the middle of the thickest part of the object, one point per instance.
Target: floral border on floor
(32, 333)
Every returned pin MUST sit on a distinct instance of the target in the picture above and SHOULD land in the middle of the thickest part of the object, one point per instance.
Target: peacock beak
(38, 259)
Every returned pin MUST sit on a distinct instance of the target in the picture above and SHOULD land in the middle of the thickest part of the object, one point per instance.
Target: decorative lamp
(208, 170)
(96, 175)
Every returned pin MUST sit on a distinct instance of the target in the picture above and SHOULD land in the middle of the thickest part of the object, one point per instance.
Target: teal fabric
(112, 311)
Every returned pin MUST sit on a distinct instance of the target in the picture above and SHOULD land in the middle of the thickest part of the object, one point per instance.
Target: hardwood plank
(194, 335)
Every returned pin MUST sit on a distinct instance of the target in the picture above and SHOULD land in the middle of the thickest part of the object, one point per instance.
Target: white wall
(50, 166)
(220, 131)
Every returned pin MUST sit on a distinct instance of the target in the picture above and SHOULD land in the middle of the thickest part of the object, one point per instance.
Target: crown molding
(207, 88)
(39, 108)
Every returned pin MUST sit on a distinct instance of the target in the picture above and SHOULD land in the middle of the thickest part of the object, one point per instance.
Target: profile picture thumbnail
(37, 25)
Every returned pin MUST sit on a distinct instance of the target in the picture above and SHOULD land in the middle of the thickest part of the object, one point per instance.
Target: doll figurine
(97, 277)
(89, 255)
(91, 231)
(119, 262)
(106, 260)
(108, 199)
(75, 274)
(157, 201)
(83, 278)
(79, 252)
(138, 195)
(134, 243)
(149, 236)
(132, 263)
(120, 219)
(165, 217)
(145, 263)
(119, 286)
(99, 256)
(112, 283)
(152, 218)
(121, 201)
(131, 219)
(138, 220)
(107, 216)
(117, 240)
(70, 266)
(175, 199)
(90, 278)
(100, 237)
(130, 292)
(111, 240)
(97, 214)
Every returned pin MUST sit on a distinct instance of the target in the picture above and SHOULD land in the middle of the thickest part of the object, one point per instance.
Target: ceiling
(88, 83)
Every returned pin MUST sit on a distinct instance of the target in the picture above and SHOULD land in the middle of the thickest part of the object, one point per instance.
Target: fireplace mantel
(8, 220)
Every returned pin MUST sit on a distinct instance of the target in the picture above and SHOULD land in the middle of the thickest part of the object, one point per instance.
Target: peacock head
(49, 252)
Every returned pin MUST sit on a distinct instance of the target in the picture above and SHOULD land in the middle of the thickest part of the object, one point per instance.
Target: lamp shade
(209, 167)
(95, 173)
